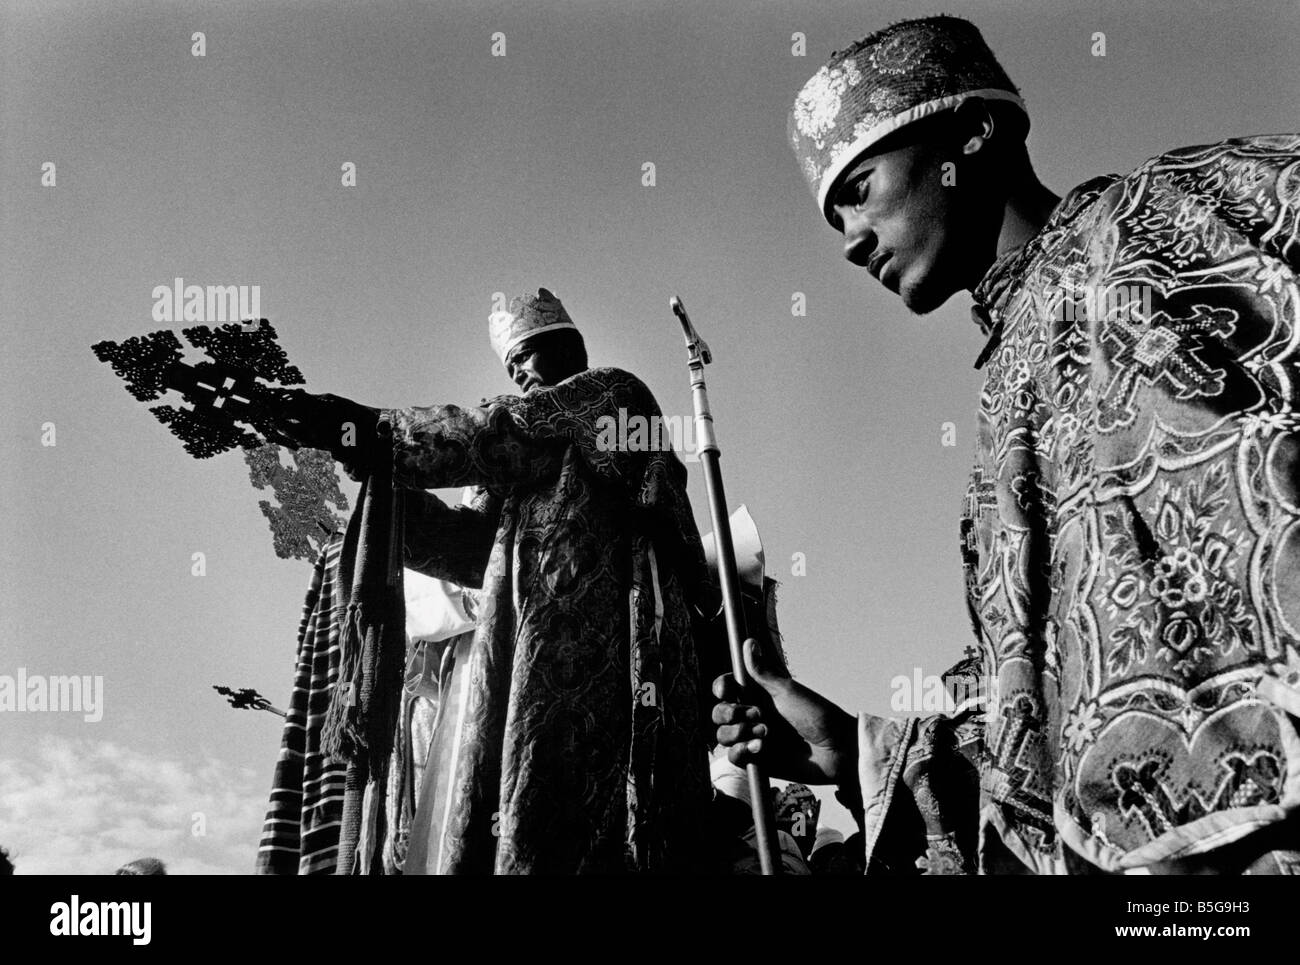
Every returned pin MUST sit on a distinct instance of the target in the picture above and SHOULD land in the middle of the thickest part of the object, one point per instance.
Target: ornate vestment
(581, 747)
(1131, 533)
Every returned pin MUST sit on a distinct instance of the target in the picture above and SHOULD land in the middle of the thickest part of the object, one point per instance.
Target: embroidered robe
(1131, 534)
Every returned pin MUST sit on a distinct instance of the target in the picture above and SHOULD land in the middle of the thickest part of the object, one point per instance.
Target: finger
(728, 713)
(732, 734)
(288, 403)
(742, 754)
(285, 442)
(725, 687)
(760, 671)
(280, 439)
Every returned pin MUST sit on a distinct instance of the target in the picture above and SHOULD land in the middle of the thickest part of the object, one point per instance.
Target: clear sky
(478, 174)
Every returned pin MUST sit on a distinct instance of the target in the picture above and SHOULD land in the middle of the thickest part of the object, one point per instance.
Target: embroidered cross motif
(1143, 796)
(1014, 762)
(1154, 346)
(1165, 351)
(981, 495)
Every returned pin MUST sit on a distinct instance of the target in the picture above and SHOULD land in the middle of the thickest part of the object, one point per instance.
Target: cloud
(88, 807)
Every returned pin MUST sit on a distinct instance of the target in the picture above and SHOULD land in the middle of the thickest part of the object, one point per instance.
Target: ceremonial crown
(527, 316)
(889, 79)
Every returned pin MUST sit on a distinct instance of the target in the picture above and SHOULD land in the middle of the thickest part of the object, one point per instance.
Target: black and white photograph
(651, 438)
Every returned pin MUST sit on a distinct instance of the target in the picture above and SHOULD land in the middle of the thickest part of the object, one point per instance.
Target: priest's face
(910, 217)
(543, 360)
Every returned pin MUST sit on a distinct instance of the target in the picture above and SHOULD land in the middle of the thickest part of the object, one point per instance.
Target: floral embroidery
(1127, 614)
(1081, 725)
(942, 856)
(1189, 602)
(818, 105)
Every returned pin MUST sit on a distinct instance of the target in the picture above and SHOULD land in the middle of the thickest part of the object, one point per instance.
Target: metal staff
(709, 453)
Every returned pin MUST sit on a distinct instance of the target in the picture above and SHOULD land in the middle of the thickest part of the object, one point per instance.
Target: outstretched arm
(440, 446)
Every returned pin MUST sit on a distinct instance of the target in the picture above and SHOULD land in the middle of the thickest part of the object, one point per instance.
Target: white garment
(435, 609)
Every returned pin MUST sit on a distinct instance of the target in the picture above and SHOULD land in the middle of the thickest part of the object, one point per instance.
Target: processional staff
(709, 453)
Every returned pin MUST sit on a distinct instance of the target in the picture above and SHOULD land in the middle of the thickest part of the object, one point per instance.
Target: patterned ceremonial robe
(581, 746)
(1131, 536)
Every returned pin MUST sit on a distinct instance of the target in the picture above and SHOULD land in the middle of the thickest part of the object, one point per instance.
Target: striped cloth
(301, 832)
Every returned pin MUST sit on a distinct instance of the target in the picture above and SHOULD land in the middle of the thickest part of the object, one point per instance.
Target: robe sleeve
(514, 441)
(920, 794)
(882, 745)
(449, 543)
(436, 447)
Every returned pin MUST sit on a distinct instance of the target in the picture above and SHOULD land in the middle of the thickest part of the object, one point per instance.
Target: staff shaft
(759, 795)
(710, 454)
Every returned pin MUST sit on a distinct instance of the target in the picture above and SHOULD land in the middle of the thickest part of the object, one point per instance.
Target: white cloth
(435, 609)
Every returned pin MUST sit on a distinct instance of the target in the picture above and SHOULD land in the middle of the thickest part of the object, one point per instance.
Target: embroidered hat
(527, 316)
(898, 75)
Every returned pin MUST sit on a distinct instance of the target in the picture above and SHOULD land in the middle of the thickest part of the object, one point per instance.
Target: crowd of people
(140, 866)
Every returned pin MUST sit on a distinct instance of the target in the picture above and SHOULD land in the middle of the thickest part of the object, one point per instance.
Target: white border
(515, 340)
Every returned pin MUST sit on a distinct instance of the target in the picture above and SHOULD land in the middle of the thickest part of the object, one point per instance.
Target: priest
(581, 747)
(1131, 532)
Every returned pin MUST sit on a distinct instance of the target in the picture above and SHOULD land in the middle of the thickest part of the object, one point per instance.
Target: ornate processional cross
(228, 396)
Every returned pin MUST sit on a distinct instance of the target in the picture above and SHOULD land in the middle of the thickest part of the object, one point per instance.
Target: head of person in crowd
(143, 866)
(6, 864)
(913, 144)
(796, 809)
(827, 851)
(537, 341)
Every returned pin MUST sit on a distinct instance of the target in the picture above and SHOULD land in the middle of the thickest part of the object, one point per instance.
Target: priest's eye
(858, 193)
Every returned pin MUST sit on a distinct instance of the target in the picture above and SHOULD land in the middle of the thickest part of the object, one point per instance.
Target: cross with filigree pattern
(229, 398)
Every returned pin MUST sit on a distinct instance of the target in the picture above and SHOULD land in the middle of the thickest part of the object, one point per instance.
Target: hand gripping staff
(699, 356)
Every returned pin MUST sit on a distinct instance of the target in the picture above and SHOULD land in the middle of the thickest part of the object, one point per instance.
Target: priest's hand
(341, 427)
(795, 732)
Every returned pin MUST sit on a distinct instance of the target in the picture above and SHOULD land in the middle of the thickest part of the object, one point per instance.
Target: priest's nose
(859, 241)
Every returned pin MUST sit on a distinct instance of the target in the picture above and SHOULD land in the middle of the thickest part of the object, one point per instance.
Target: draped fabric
(1131, 533)
(301, 831)
(420, 802)
(581, 746)
(300, 834)
(406, 808)
(363, 718)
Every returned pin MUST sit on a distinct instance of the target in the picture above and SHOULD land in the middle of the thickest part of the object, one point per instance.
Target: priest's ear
(975, 125)
(991, 130)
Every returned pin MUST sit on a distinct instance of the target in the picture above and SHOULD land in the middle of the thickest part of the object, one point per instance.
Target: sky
(478, 174)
